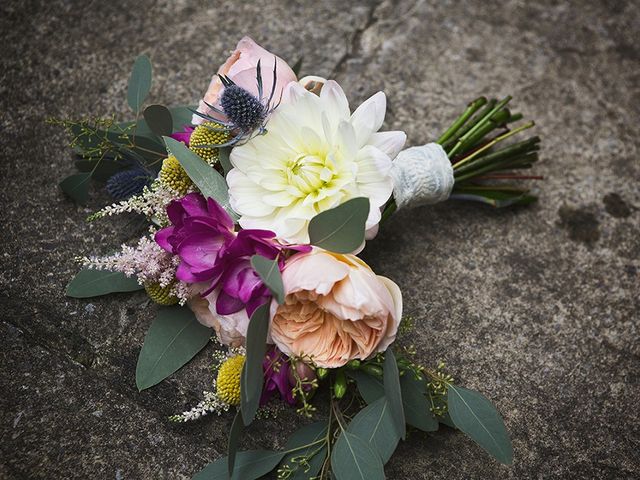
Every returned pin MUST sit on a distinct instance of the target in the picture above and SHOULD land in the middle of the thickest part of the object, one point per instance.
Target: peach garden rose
(336, 309)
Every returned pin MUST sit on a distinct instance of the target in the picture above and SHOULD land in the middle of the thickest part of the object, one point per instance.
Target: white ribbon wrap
(421, 175)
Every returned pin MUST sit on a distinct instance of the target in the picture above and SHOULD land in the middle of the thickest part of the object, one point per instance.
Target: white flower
(315, 156)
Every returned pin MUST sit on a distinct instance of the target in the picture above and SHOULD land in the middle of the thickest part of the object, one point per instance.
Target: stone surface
(535, 307)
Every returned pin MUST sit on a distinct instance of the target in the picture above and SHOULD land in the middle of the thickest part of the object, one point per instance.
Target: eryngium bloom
(315, 156)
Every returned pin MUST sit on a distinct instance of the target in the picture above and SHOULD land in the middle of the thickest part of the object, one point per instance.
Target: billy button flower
(161, 295)
(228, 380)
(173, 176)
(204, 139)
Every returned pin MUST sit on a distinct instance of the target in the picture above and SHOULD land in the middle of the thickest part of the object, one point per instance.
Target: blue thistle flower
(128, 183)
(245, 111)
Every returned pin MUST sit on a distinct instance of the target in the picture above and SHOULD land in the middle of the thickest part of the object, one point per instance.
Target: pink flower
(240, 67)
(336, 309)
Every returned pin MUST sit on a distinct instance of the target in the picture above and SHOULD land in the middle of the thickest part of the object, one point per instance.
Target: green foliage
(252, 377)
(269, 272)
(340, 229)
(234, 440)
(249, 465)
(474, 414)
(353, 459)
(76, 186)
(94, 283)
(392, 392)
(174, 338)
(207, 179)
(158, 117)
(305, 462)
(416, 405)
(375, 425)
(139, 83)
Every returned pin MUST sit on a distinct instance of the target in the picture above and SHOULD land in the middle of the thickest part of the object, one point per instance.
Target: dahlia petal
(389, 142)
(368, 117)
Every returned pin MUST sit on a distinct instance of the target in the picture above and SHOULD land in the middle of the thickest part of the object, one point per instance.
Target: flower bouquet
(258, 201)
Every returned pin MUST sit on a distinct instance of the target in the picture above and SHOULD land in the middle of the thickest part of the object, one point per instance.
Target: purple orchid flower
(183, 136)
(276, 377)
(199, 230)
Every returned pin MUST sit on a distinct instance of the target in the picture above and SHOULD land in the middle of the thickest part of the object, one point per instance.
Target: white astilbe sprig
(148, 262)
(210, 404)
(152, 203)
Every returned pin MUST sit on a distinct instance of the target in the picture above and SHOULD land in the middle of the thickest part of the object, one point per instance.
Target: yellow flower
(205, 135)
(228, 382)
(160, 295)
(174, 176)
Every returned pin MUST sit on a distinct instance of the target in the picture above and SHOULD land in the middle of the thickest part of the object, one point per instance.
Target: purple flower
(200, 228)
(184, 136)
(240, 285)
(276, 377)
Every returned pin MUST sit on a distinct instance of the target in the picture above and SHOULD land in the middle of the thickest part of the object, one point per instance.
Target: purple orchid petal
(183, 136)
(226, 304)
(162, 238)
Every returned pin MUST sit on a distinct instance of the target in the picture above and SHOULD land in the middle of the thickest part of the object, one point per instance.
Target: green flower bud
(353, 364)
(340, 385)
(374, 370)
(322, 373)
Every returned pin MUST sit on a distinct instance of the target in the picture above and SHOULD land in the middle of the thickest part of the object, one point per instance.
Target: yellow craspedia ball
(228, 382)
(161, 295)
(174, 176)
(205, 135)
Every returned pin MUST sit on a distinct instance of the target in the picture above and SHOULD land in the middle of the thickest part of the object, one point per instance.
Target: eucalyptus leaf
(234, 440)
(393, 393)
(159, 119)
(249, 465)
(353, 459)
(224, 154)
(307, 435)
(474, 414)
(180, 115)
(139, 83)
(375, 425)
(269, 272)
(101, 169)
(252, 377)
(340, 229)
(174, 338)
(496, 198)
(93, 283)
(416, 405)
(370, 387)
(76, 186)
(206, 178)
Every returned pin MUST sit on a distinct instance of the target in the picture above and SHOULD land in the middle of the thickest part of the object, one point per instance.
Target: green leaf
(139, 82)
(416, 405)
(76, 186)
(496, 198)
(234, 440)
(225, 160)
(269, 272)
(180, 115)
(393, 393)
(297, 66)
(370, 387)
(94, 283)
(307, 435)
(249, 465)
(252, 377)
(206, 178)
(375, 425)
(340, 229)
(101, 169)
(474, 414)
(159, 119)
(174, 338)
(353, 459)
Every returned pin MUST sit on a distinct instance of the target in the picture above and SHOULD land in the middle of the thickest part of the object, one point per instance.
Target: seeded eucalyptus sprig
(474, 144)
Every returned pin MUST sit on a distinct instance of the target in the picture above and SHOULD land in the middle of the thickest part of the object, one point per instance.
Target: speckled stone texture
(536, 307)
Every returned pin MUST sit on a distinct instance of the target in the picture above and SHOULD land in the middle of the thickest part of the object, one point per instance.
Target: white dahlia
(315, 156)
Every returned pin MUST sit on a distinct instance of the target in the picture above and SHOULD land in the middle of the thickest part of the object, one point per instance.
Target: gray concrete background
(536, 307)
